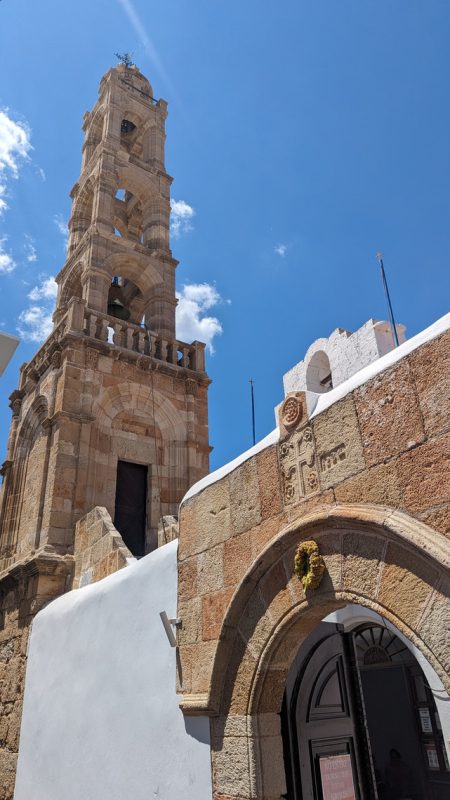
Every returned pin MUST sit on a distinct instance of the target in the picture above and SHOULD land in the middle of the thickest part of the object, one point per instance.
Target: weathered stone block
(210, 570)
(338, 443)
(214, 608)
(190, 614)
(389, 414)
(378, 484)
(187, 578)
(202, 662)
(244, 497)
(438, 518)
(98, 548)
(434, 628)
(230, 767)
(424, 475)
(269, 482)
(205, 520)
(406, 584)
(362, 555)
(237, 558)
(430, 367)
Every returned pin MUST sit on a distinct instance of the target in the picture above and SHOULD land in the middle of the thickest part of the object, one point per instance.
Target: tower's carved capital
(191, 387)
(15, 401)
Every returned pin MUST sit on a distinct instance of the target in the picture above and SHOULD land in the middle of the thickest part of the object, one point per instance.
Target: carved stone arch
(82, 210)
(83, 199)
(131, 140)
(117, 399)
(368, 551)
(71, 285)
(319, 377)
(380, 559)
(22, 511)
(130, 178)
(94, 132)
(31, 425)
(133, 116)
(143, 271)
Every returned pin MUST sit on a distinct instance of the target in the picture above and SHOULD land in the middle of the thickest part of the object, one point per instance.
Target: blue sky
(305, 135)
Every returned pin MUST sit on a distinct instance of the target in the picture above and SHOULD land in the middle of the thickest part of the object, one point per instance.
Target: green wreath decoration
(308, 565)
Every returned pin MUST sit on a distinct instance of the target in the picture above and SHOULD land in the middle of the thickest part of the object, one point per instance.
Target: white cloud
(30, 250)
(35, 322)
(7, 263)
(62, 226)
(14, 148)
(192, 323)
(47, 290)
(3, 203)
(281, 250)
(42, 174)
(181, 218)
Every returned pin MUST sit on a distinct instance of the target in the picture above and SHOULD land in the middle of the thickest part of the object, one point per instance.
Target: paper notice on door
(425, 720)
(336, 773)
(432, 756)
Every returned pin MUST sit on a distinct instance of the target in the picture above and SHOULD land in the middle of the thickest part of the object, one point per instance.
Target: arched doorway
(359, 719)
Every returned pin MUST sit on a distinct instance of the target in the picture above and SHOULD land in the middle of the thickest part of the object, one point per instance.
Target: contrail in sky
(148, 45)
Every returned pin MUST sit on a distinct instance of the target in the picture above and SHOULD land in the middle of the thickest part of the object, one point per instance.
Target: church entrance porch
(359, 719)
(390, 576)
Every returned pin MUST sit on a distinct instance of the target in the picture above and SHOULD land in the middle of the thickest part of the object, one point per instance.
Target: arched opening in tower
(125, 300)
(131, 137)
(127, 215)
(319, 378)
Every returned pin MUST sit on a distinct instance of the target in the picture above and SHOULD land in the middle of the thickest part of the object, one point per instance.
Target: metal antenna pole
(253, 409)
(388, 299)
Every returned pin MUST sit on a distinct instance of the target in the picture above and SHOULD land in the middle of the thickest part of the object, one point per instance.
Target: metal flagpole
(253, 409)
(388, 299)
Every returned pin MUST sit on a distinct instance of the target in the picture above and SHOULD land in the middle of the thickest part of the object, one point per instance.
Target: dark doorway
(324, 742)
(403, 725)
(359, 721)
(131, 505)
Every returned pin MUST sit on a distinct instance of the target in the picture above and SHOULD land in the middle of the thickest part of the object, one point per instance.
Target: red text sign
(337, 778)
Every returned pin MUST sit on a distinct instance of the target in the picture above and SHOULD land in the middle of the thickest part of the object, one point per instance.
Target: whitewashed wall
(101, 718)
(347, 353)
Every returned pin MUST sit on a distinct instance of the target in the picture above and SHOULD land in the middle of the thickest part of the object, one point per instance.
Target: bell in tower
(117, 301)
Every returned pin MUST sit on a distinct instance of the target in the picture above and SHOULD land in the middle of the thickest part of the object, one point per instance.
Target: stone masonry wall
(387, 444)
(24, 590)
(99, 548)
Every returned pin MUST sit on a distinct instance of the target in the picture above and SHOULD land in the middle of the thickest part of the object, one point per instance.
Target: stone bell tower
(112, 410)
(110, 420)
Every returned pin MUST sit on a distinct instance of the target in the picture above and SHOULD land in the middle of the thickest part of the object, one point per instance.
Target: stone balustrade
(133, 337)
(115, 332)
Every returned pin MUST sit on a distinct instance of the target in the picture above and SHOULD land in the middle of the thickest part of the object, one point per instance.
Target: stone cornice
(42, 562)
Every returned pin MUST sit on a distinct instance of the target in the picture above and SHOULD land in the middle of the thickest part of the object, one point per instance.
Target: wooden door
(324, 738)
(131, 505)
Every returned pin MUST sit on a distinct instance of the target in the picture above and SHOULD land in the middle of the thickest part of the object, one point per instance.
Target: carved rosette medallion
(299, 473)
(291, 412)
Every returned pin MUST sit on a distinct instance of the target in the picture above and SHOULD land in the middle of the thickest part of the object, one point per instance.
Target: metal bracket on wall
(168, 625)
